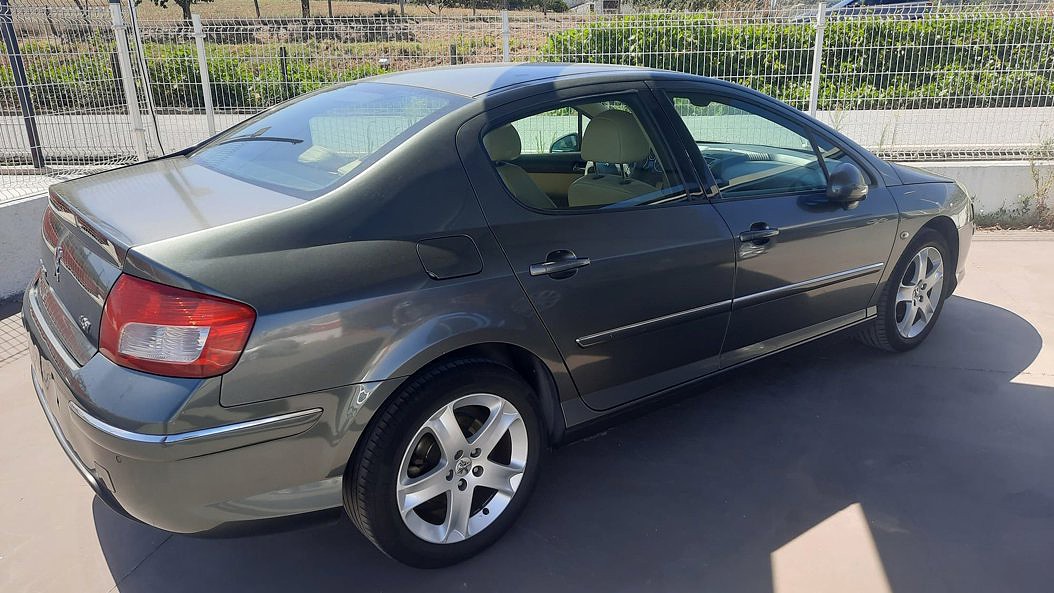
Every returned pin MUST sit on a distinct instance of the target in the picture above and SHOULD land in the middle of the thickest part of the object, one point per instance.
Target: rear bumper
(284, 459)
(86, 473)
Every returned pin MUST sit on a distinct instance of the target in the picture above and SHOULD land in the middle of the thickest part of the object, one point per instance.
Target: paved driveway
(831, 468)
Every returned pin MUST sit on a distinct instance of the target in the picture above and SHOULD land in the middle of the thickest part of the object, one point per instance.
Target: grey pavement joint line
(117, 582)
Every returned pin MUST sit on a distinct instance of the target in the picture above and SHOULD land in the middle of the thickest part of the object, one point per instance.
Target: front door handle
(559, 264)
(758, 234)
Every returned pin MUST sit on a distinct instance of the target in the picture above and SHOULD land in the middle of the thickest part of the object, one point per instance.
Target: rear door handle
(561, 263)
(758, 234)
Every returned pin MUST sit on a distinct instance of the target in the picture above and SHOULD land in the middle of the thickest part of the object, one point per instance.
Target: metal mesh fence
(62, 110)
(938, 82)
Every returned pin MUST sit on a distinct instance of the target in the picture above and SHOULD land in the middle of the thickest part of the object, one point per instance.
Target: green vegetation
(1029, 213)
(958, 60)
(250, 78)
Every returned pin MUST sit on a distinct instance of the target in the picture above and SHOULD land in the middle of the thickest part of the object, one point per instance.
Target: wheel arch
(532, 368)
(529, 366)
(945, 226)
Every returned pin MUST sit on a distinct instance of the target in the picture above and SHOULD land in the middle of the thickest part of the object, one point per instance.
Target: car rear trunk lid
(91, 223)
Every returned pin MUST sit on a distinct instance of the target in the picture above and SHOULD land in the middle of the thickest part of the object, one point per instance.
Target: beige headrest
(614, 136)
(502, 144)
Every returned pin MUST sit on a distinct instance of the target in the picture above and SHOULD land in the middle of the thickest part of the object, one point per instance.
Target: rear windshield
(317, 142)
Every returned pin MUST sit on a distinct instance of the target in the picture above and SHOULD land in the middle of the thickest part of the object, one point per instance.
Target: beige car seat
(503, 145)
(615, 137)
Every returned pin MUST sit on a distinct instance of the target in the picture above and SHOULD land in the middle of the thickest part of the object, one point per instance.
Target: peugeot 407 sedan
(395, 295)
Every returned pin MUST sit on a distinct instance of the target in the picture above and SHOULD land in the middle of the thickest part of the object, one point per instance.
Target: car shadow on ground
(944, 453)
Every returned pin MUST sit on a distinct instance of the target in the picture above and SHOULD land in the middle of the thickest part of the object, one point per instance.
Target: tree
(436, 6)
(678, 5)
(183, 4)
(305, 8)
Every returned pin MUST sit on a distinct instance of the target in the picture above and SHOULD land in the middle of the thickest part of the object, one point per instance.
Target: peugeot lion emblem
(58, 263)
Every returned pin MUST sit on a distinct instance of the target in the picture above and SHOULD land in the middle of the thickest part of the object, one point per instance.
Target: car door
(805, 265)
(635, 293)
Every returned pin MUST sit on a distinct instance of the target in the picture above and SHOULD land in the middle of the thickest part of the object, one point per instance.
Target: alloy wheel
(462, 468)
(919, 292)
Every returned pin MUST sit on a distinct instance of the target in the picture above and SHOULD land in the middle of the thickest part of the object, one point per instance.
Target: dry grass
(236, 9)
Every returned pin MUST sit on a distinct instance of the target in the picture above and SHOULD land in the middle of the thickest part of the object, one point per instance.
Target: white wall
(19, 242)
(994, 184)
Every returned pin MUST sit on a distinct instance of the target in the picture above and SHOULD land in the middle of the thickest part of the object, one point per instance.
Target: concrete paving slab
(832, 467)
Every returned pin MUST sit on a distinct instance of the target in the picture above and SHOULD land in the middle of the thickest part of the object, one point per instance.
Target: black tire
(882, 333)
(370, 480)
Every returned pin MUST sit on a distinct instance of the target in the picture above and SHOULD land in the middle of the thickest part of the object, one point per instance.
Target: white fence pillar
(203, 68)
(124, 61)
(817, 58)
(144, 72)
(504, 36)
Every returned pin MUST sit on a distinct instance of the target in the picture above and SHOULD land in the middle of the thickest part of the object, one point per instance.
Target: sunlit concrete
(836, 556)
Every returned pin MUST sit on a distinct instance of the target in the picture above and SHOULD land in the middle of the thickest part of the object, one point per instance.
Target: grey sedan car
(395, 296)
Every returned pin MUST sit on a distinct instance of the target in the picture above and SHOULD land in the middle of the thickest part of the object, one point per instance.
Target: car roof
(482, 80)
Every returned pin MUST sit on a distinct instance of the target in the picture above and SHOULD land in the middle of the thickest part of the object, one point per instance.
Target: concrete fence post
(144, 72)
(817, 58)
(203, 69)
(124, 61)
(505, 36)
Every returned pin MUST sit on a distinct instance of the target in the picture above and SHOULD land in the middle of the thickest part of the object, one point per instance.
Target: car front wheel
(448, 465)
(913, 297)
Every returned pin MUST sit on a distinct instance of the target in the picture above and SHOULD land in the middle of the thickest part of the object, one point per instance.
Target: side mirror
(566, 143)
(847, 185)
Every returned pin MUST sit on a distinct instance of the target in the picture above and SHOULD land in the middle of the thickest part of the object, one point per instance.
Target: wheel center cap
(462, 466)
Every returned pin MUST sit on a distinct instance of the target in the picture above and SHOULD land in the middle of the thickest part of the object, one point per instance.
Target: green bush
(956, 60)
(953, 61)
(242, 77)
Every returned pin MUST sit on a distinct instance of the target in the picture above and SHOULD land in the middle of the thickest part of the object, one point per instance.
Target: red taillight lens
(170, 331)
(50, 228)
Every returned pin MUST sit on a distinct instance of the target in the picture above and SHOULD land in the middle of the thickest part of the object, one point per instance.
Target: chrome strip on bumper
(66, 448)
(283, 420)
(96, 485)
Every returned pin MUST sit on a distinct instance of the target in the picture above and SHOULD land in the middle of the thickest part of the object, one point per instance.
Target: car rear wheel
(914, 296)
(448, 465)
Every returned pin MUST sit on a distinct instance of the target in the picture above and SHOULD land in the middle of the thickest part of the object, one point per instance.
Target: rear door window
(623, 163)
(315, 143)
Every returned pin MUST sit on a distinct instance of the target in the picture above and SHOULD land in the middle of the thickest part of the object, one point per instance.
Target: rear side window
(313, 144)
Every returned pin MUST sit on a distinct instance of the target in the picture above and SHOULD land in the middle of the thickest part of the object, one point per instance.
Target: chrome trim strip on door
(653, 324)
(804, 285)
(723, 306)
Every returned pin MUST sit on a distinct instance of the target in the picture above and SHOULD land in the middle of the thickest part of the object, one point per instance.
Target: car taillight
(50, 228)
(170, 331)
